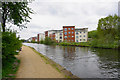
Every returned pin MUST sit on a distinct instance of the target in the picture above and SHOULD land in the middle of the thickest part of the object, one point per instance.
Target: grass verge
(10, 69)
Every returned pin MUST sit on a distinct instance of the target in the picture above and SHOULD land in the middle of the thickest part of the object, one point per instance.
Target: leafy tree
(108, 25)
(16, 13)
(48, 41)
(92, 34)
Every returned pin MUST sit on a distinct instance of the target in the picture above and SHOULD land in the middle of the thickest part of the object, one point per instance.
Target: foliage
(42, 41)
(11, 68)
(48, 41)
(108, 25)
(107, 33)
(9, 44)
(16, 13)
(92, 34)
(74, 44)
(23, 40)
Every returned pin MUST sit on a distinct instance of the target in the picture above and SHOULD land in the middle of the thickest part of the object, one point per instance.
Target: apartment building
(59, 36)
(40, 36)
(69, 33)
(81, 35)
(32, 39)
(46, 33)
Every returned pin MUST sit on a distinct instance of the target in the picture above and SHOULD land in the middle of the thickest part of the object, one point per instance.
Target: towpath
(33, 66)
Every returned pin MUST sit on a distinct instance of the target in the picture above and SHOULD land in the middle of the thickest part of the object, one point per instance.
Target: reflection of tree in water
(69, 52)
(108, 61)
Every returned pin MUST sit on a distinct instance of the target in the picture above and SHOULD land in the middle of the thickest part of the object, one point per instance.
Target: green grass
(10, 68)
(82, 44)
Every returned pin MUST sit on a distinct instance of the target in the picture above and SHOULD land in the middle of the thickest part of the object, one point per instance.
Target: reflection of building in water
(69, 52)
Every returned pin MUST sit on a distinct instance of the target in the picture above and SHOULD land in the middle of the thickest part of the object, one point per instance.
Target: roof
(68, 26)
(80, 28)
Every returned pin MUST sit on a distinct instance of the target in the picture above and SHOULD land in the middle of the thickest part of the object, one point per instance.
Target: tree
(16, 13)
(108, 25)
(92, 34)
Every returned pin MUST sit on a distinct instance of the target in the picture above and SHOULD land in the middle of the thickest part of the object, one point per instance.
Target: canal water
(83, 62)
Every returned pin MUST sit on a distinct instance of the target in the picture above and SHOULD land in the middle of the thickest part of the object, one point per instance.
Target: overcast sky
(53, 14)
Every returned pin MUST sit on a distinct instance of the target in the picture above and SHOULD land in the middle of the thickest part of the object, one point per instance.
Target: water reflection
(83, 62)
(108, 61)
(69, 53)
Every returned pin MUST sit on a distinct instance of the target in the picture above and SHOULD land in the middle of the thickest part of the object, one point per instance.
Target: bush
(48, 41)
(10, 44)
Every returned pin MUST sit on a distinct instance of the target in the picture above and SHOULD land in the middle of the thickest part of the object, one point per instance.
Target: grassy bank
(93, 44)
(82, 44)
(10, 69)
(58, 67)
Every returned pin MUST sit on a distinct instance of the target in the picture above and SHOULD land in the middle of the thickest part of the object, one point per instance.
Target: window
(80, 39)
(84, 35)
(80, 32)
(72, 28)
(65, 37)
(76, 36)
(68, 28)
(69, 32)
(60, 37)
(84, 32)
(65, 29)
(72, 32)
(80, 36)
(60, 33)
(65, 33)
(68, 36)
(76, 40)
(72, 36)
(76, 32)
(84, 39)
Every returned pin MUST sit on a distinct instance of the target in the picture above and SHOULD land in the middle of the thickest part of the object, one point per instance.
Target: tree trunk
(3, 17)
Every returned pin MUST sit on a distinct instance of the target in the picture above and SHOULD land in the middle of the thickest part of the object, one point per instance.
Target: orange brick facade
(46, 33)
(69, 33)
(52, 36)
(37, 37)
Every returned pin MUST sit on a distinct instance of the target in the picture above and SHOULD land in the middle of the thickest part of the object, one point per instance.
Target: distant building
(46, 33)
(40, 36)
(69, 33)
(81, 35)
(59, 36)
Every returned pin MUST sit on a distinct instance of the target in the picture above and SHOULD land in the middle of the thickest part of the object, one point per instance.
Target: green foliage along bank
(10, 45)
(107, 33)
(48, 41)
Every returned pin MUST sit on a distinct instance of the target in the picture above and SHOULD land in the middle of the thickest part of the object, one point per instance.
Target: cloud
(53, 14)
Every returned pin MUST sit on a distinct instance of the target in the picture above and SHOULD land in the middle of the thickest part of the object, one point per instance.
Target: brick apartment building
(46, 33)
(69, 33)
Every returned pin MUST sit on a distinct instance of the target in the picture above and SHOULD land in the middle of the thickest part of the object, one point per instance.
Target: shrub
(10, 44)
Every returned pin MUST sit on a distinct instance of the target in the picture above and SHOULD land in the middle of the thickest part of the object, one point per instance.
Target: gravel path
(33, 66)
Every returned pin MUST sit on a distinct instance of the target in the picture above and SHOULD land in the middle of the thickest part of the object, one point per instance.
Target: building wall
(46, 33)
(81, 35)
(52, 36)
(38, 38)
(41, 36)
(59, 36)
(69, 33)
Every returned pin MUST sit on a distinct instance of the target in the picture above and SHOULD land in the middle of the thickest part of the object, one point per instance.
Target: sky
(53, 14)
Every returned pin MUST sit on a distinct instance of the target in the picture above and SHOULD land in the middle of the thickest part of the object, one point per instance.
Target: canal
(83, 62)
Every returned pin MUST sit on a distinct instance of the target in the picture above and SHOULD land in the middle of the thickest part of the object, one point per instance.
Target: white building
(81, 35)
(40, 36)
(59, 35)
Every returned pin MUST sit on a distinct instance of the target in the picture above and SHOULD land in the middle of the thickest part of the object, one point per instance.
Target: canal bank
(39, 66)
(83, 62)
